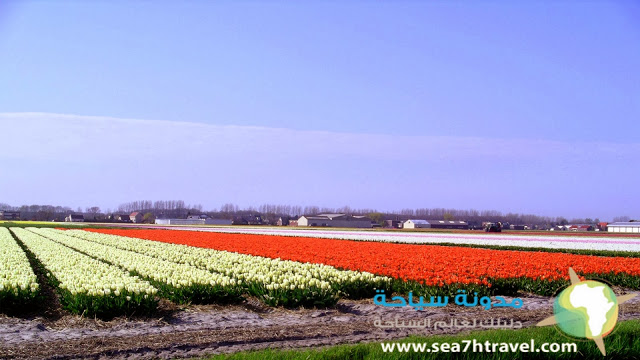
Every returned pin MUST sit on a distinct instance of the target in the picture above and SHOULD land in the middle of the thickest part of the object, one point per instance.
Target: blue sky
(492, 105)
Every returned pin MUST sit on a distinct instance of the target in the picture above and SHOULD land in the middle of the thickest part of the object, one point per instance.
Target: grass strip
(624, 343)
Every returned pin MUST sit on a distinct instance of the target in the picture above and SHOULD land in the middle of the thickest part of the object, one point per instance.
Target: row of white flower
(551, 241)
(273, 273)
(15, 271)
(78, 273)
(167, 272)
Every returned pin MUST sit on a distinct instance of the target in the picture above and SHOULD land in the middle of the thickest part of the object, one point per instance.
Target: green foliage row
(314, 296)
(108, 306)
(308, 297)
(12, 300)
(508, 286)
(199, 293)
(550, 287)
(361, 289)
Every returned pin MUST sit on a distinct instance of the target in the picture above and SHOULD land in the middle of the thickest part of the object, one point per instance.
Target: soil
(194, 331)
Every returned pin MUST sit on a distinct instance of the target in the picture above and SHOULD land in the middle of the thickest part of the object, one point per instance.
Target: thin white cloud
(49, 136)
(87, 160)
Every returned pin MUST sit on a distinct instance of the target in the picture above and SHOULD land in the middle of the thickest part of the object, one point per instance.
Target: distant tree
(311, 210)
(43, 215)
(93, 210)
(596, 221)
(229, 208)
(377, 217)
(562, 221)
(345, 210)
(407, 212)
(149, 218)
(296, 210)
(588, 221)
(448, 216)
(621, 218)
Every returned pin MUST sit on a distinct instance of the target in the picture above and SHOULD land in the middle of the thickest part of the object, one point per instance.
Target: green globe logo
(586, 309)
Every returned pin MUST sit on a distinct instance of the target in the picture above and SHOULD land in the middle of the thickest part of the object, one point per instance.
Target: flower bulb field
(559, 240)
(162, 287)
(430, 265)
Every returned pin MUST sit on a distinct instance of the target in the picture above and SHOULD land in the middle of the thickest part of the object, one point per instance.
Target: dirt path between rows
(202, 330)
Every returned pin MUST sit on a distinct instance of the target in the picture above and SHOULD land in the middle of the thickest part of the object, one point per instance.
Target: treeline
(158, 206)
(39, 212)
(475, 216)
(161, 208)
(271, 213)
(168, 208)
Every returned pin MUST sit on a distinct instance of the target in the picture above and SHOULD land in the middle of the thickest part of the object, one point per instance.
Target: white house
(136, 217)
(74, 218)
(416, 224)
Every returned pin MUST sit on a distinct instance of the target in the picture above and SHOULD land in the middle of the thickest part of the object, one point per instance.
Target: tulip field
(87, 285)
(108, 272)
(107, 275)
(433, 266)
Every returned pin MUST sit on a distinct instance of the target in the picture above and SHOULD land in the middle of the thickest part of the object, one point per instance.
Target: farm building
(136, 217)
(9, 215)
(629, 227)
(248, 220)
(283, 221)
(210, 221)
(581, 228)
(207, 221)
(335, 220)
(393, 224)
(435, 224)
(74, 218)
(416, 224)
(448, 224)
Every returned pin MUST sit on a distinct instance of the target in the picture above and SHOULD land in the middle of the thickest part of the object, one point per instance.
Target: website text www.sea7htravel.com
(480, 347)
